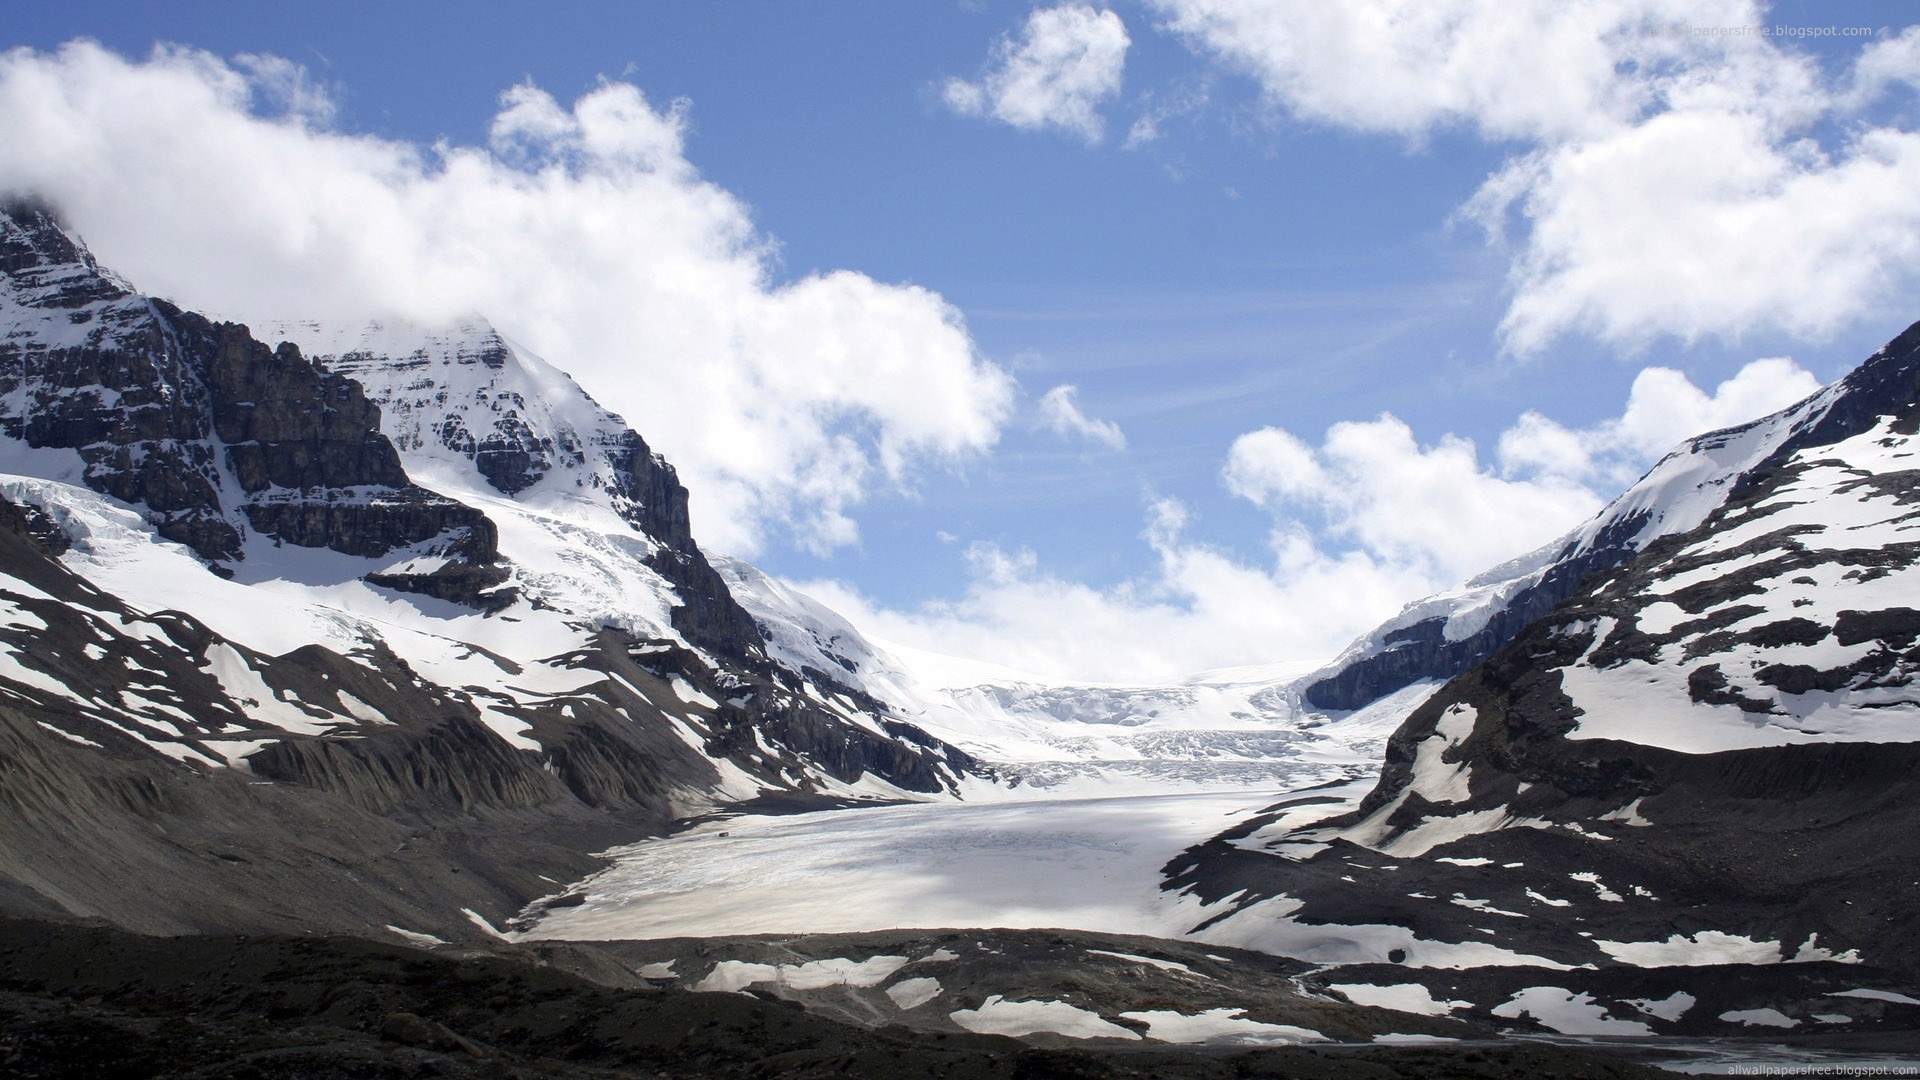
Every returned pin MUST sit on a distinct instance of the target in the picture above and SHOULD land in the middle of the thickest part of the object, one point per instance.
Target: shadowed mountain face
(1705, 756)
(255, 674)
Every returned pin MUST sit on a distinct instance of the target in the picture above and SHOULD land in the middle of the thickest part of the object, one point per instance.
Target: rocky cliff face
(462, 401)
(266, 663)
(1705, 757)
(221, 439)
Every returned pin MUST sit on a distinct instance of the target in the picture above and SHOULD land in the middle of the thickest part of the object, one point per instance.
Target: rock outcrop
(219, 438)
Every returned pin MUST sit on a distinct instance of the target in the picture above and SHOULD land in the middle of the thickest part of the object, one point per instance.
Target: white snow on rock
(1831, 505)
(1219, 1027)
(1706, 948)
(1877, 995)
(1400, 997)
(812, 975)
(1163, 965)
(1567, 1012)
(912, 993)
(1760, 1018)
(997, 1016)
(1672, 1007)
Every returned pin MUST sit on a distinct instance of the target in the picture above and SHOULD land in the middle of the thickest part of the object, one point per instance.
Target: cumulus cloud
(1065, 63)
(1665, 182)
(1663, 408)
(581, 230)
(1434, 510)
(1362, 522)
(1059, 412)
(1200, 608)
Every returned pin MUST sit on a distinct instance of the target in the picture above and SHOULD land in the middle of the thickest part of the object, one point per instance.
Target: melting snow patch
(813, 975)
(1547, 900)
(1760, 1018)
(1567, 1012)
(1391, 1038)
(1812, 953)
(415, 936)
(913, 993)
(997, 1016)
(938, 956)
(1224, 1026)
(12, 668)
(684, 690)
(1164, 965)
(1476, 861)
(1706, 948)
(1594, 880)
(660, 970)
(1401, 997)
(1268, 926)
(254, 697)
(480, 921)
(68, 735)
(731, 975)
(1673, 1007)
(1627, 815)
(1433, 778)
(1877, 995)
(1482, 905)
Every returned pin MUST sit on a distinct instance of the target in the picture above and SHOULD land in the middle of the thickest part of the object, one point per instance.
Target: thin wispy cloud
(1059, 412)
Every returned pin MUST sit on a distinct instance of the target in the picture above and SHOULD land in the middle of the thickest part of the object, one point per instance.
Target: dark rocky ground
(86, 1001)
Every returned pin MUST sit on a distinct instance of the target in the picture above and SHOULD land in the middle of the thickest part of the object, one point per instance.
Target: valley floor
(1082, 864)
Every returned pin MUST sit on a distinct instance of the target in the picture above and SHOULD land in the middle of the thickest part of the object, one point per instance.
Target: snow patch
(997, 1016)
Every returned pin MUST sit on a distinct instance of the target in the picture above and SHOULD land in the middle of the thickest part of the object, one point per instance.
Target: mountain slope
(258, 674)
(1705, 756)
(1443, 635)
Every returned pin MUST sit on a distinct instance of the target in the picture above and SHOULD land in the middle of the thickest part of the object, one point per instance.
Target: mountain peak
(45, 265)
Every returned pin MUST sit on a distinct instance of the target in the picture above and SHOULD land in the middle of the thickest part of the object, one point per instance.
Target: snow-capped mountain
(428, 591)
(1704, 756)
(1442, 635)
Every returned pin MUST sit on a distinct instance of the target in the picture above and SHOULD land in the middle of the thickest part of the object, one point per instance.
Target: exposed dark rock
(214, 434)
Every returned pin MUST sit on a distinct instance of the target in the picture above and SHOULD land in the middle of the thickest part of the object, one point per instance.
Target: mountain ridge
(197, 678)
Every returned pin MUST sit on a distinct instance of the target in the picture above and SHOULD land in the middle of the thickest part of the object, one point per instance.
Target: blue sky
(1294, 248)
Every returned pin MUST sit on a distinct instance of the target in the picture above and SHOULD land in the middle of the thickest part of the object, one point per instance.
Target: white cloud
(1667, 182)
(1060, 413)
(1201, 608)
(1067, 61)
(1432, 510)
(1663, 408)
(1362, 523)
(582, 231)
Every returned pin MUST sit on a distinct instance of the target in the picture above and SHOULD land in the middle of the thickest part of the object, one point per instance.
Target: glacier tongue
(1242, 727)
